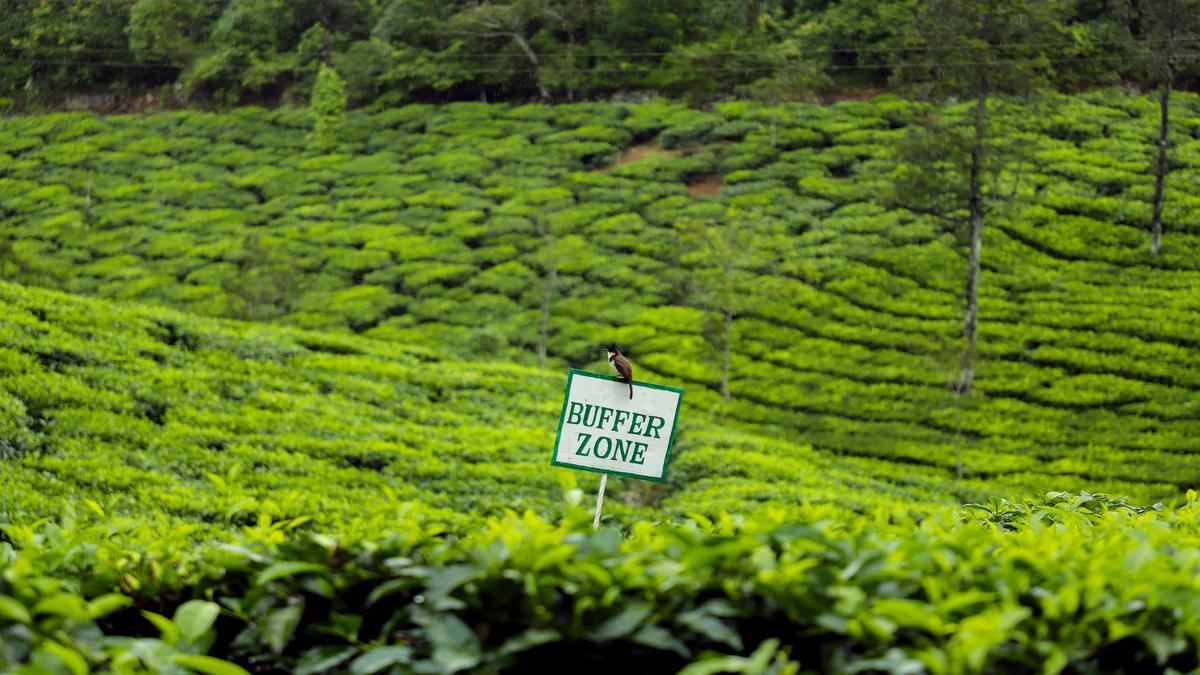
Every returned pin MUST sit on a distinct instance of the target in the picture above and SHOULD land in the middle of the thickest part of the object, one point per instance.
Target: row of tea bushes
(1066, 583)
(151, 413)
(436, 226)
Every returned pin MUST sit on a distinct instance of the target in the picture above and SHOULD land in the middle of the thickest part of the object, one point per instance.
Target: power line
(869, 49)
(724, 52)
(708, 68)
(98, 64)
(860, 66)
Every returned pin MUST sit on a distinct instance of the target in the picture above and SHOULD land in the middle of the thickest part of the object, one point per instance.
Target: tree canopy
(245, 51)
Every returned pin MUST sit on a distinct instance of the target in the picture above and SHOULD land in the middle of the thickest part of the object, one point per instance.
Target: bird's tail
(631, 390)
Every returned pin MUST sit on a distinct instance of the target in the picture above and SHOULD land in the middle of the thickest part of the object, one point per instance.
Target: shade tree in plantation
(727, 263)
(560, 247)
(793, 75)
(571, 253)
(975, 49)
(1167, 33)
(265, 285)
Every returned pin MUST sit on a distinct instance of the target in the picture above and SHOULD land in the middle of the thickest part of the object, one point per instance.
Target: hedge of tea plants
(439, 226)
(209, 425)
(1076, 583)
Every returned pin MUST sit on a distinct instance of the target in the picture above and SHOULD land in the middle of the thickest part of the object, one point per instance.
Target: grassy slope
(421, 228)
(139, 408)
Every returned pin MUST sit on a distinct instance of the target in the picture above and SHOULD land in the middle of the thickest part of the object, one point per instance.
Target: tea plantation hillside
(187, 494)
(456, 227)
(161, 416)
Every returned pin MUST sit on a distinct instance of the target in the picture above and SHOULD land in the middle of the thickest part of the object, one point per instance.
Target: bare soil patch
(640, 151)
(705, 185)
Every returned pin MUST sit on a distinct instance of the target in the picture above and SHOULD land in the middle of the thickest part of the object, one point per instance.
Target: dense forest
(221, 52)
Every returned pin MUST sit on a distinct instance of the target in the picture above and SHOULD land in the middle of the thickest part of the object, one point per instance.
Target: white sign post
(603, 429)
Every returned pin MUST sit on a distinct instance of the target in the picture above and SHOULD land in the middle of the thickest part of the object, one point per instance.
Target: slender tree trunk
(326, 46)
(753, 8)
(966, 376)
(1160, 168)
(533, 60)
(726, 346)
(971, 288)
(958, 463)
(87, 201)
(544, 324)
(571, 64)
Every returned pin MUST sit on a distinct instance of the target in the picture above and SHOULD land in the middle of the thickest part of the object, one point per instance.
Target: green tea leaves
(195, 618)
(281, 624)
(287, 569)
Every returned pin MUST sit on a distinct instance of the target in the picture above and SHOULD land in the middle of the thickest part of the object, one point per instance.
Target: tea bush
(1065, 583)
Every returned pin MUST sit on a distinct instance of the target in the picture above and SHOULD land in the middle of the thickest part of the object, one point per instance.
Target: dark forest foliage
(229, 51)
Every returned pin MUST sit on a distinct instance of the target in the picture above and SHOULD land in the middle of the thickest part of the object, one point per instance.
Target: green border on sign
(563, 416)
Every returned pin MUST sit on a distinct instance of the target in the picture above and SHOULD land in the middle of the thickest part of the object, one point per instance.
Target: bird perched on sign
(620, 366)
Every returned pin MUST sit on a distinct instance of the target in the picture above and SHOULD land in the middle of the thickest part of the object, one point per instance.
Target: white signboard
(603, 429)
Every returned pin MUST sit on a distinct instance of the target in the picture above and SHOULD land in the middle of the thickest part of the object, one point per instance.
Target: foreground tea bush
(1077, 583)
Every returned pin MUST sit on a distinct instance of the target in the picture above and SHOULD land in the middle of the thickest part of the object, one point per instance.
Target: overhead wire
(870, 49)
(711, 67)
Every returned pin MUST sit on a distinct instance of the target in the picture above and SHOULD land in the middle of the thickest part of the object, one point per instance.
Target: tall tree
(516, 22)
(265, 284)
(573, 34)
(729, 263)
(556, 253)
(975, 49)
(793, 75)
(1170, 30)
